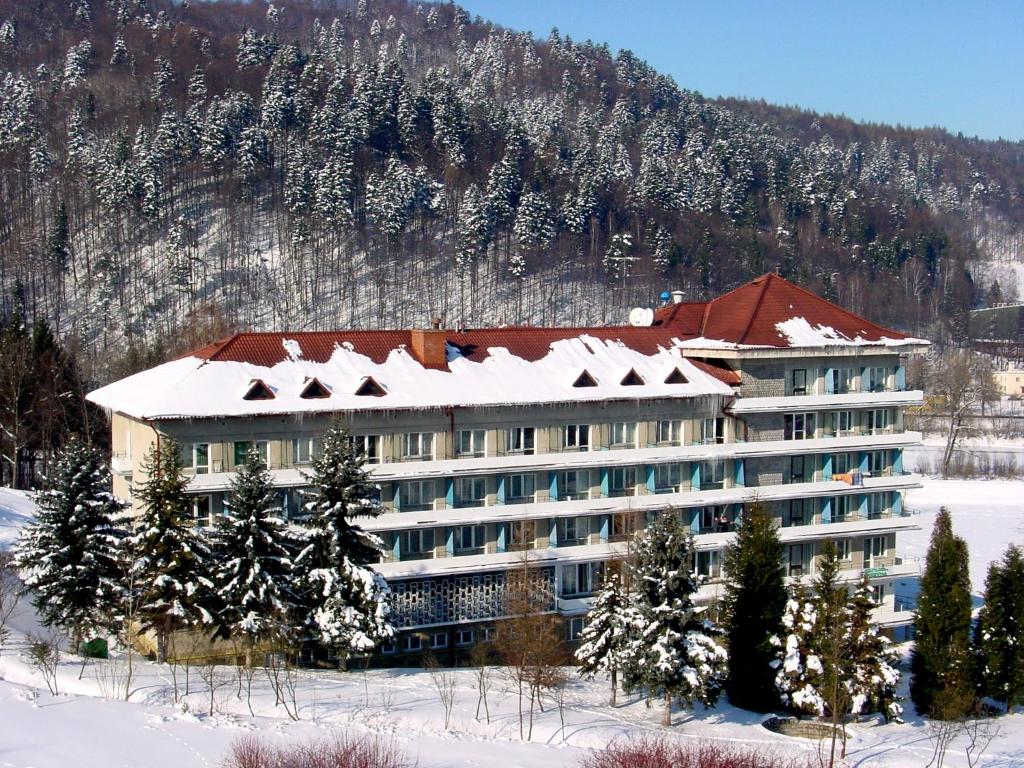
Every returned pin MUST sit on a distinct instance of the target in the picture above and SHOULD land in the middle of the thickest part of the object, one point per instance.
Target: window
(576, 437)
(796, 512)
(258, 390)
(417, 495)
(878, 420)
(841, 508)
(242, 449)
(797, 469)
(439, 640)
(520, 440)
(876, 506)
(520, 487)
(585, 380)
(625, 524)
(488, 634)
(464, 636)
(574, 484)
(571, 529)
(314, 390)
(843, 380)
(412, 643)
(843, 549)
(632, 379)
(712, 474)
(302, 450)
(469, 538)
(388, 649)
(708, 564)
(470, 442)
(712, 430)
(579, 579)
(418, 445)
(369, 388)
(842, 423)
(795, 564)
(196, 456)
(622, 481)
(874, 549)
(574, 628)
(798, 381)
(470, 492)
(874, 380)
(798, 426)
(841, 463)
(419, 541)
(624, 434)
(368, 446)
(523, 534)
(668, 478)
(202, 511)
(877, 463)
(707, 518)
(670, 432)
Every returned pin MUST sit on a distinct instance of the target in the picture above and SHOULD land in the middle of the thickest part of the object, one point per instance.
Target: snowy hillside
(84, 726)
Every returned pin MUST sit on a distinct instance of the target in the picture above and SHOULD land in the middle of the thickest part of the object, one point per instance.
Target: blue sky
(959, 65)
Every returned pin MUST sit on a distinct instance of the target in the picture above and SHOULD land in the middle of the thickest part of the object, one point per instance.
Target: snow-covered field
(84, 726)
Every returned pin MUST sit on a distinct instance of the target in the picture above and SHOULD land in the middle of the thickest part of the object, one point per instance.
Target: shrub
(339, 752)
(658, 752)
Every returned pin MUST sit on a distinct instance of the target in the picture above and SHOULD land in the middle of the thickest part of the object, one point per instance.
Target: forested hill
(170, 171)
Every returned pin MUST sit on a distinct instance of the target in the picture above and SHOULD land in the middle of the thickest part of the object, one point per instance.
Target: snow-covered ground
(85, 726)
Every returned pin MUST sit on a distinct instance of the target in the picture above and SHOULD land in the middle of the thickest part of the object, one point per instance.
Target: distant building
(561, 442)
(1010, 382)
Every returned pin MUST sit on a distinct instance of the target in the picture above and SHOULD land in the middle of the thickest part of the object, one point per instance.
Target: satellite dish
(641, 317)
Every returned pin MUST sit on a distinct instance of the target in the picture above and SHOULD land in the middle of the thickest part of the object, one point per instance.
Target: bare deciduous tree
(10, 592)
(44, 655)
(963, 381)
(443, 680)
(480, 659)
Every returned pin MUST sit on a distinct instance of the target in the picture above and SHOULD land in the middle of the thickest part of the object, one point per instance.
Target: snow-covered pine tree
(755, 599)
(67, 555)
(608, 633)
(674, 653)
(798, 668)
(873, 671)
(999, 633)
(173, 566)
(252, 573)
(344, 601)
(941, 685)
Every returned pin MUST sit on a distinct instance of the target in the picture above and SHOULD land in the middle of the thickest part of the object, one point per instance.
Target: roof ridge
(757, 306)
(845, 311)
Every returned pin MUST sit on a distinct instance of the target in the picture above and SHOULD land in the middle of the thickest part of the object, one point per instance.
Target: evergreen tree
(174, 564)
(59, 239)
(999, 632)
(674, 653)
(343, 601)
(941, 683)
(67, 555)
(607, 634)
(252, 572)
(755, 598)
(873, 672)
(798, 668)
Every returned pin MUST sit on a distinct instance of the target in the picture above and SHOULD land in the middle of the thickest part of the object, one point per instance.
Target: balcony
(888, 397)
(121, 464)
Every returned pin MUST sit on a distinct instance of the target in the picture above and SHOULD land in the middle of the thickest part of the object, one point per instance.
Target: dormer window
(314, 390)
(632, 379)
(258, 390)
(370, 388)
(585, 380)
(676, 377)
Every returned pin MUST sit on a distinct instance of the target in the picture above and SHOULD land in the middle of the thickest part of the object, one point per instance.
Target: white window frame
(622, 479)
(421, 486)
(438, 640)
(477, 534)
(708, 563)
(368, 446)
(624, 434)
(202, 518)
(303, 450)
(575, 627)
(569, 529)
(878, 420)
(190, 455)
(517, 533)
(418, 446)
(576, 437)
(477, 497)
(872, 543)
(670, 432)
(844, 550)
(526, 490)
(521, 441)
(712, 472)
(665, 474)
(416, 541)
(712, 430)
(805, 419)
(471, 443)
(263, 446)
(464, 637)
(581, 479)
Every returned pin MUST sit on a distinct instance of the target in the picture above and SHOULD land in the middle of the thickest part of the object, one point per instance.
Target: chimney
(677, 297)
(428, 346)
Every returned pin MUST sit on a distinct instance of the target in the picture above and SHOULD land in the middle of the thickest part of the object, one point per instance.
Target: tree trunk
(615, 685)
(667, 717)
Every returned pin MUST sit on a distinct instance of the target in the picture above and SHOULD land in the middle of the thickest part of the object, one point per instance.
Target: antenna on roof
(664, 297)
(641, 317)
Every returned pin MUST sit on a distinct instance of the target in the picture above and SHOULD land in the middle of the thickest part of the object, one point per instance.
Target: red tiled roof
(747, 315)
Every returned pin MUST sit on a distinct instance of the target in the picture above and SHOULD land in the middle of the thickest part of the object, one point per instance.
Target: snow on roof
(193, 387)
(801, 333)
